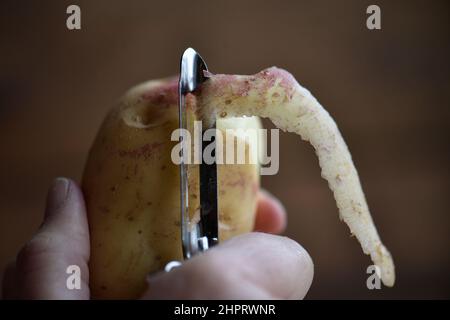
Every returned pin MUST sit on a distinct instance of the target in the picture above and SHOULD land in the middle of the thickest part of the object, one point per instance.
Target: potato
(132, 186)
(132, 191)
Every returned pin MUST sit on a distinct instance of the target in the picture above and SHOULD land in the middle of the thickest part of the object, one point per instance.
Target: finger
(270, 215)
(61, 241)
(251, 266)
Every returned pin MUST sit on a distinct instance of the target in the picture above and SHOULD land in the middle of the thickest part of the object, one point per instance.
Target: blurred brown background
(388, 90)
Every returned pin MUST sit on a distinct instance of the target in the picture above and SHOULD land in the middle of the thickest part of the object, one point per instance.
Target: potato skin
(132, 195)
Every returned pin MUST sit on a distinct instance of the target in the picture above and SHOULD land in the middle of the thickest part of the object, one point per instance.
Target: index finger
(271, 216)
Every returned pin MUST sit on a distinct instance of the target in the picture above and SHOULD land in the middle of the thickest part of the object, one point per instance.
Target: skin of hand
(259, 265)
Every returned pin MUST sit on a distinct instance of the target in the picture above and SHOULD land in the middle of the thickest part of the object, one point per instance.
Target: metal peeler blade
(204, 234)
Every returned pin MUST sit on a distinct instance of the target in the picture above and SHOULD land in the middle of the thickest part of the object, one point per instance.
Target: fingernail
(57, 194)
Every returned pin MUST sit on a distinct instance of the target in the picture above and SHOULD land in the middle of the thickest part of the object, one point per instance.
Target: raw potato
(132, 187)
(275, 94)
(132, 191)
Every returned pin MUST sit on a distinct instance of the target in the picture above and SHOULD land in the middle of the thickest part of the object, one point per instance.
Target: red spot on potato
(165, 95)
(146, 151)
(224, 84)
(274, 74)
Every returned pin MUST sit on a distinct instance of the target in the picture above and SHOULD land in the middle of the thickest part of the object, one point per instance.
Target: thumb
(59, 249)
(250, 266)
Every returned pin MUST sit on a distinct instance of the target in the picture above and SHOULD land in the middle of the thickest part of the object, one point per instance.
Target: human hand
(251, 266)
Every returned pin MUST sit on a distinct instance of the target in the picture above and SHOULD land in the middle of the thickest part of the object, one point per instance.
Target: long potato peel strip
(275, 94)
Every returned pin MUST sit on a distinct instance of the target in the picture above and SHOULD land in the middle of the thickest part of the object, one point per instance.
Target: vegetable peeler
(196, 236)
